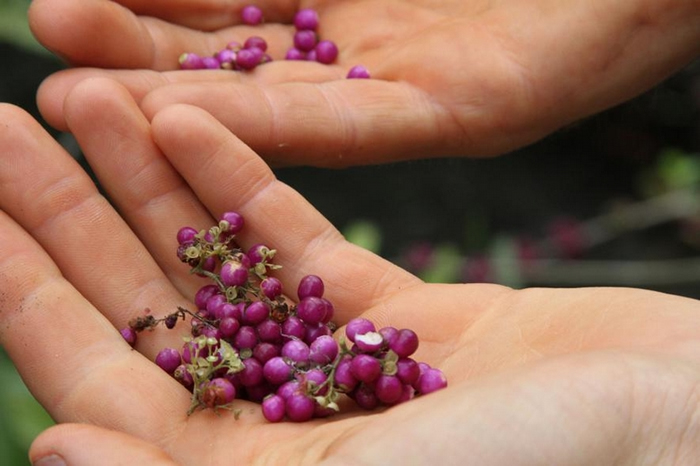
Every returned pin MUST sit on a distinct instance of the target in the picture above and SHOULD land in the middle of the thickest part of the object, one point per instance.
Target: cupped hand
(539, 376)
(450, 78)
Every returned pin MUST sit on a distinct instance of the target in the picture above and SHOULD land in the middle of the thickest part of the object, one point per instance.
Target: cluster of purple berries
(306, 46)
(247, 341)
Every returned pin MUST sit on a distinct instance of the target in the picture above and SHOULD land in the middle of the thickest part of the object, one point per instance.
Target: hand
(452, 78)
(580, 376)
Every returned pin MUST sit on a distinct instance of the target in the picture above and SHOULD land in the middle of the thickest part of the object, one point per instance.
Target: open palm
(452, 77)
(586, 376)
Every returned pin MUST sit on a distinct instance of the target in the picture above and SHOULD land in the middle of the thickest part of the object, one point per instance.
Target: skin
(451, 78)
(536, 376)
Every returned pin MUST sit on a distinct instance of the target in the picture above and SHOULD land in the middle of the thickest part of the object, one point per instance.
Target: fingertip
(93, 95)
(81, 444)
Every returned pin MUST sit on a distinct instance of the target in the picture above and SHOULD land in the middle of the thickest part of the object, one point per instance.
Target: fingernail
(49, 460)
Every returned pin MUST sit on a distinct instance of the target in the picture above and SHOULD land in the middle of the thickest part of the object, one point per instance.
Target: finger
(105, 34)
(331, 124)
(44, 190)
(227, 175)
(73, 361)
(139, 180)
(106, 447)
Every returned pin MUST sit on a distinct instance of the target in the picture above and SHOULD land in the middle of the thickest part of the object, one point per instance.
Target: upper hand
(450, 77)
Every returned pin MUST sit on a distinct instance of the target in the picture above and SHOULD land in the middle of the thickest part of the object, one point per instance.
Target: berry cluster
(306, 46)
(248, 341)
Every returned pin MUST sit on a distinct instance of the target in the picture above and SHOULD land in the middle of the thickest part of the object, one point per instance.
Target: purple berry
(191, 61)
(277, 371)
(218, 392)
(234, 219)
(255, 313)
(358, 326)
(407, 370)
(293, 328)
(251, 15)
(211, 63)
(431, 380)
(265, 351)
(358, 72)
(306, 19)
(289, 388)
(214, 303)
(389, 334)
(295, 54)
(312, 310)
(182, 375)
(271, 287)
(305, 40)
(405, 343)
(365, 397)
(252, 373)
(248, 59)
(246, 337)
(233, 273)
(310, 285)
(255, 41)
(228, 326)
(344, 379)
(129, 334)
(388, 389)
(258, 253)
(326, 52)
(230, 310)
(226, 57)
(274, 408)
(365, 368)
(269, 331)
(186, 235)
(299, 407)
(315, 331)
(323, 350)
(369, 342)
(296, 351)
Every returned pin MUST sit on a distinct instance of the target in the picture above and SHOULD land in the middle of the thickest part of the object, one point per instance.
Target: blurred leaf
(504, 262)
(364, 234)
(14, 25)
(678, 169)
(446, 266)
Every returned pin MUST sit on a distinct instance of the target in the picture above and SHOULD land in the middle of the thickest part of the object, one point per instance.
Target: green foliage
(14, 25)
(364, 234)
(21, 416)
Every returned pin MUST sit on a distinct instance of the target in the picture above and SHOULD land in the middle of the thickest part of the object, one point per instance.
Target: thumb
(81, 444)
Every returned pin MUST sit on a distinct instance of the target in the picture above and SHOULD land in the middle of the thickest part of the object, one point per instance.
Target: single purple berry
(326, 52)
(259, 253)
(305, 40)
(330, 311)
(323, 350)
(388, 389)
(314, 379)
(431, 380)
(311, 55)
(255, 41)
(203, 294)
(344, 380)
(365, 368)
(365, 397)
(255, 313)
(295, 54)
(246, 337)
(234, 219)
(257, 393)
(358, 72)
(277, 371)
(129, 334)
(248, 59)
(271, 287)
(299, 407)
(296, 351)
(289, 388)
(273, 408)
(293, 328)
(228, 326)
(218, 392)
(312, 310)
(407, 370)
(182, 375)
(211, 332)
(226, 56)
(211, 63)
(405, 343)
(191, 61)
(315, 331)
(252, 373)
(389, 334)
(251, 15)
(369, 342)
(306, 19)
(231, 310)
(265, 351)
(214, 303)
(186, 235)
(358, 326)
(269, 331)
(233, 273)
(310, 285)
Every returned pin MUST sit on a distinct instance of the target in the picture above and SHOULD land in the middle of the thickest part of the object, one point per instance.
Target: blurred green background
(611, 200)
